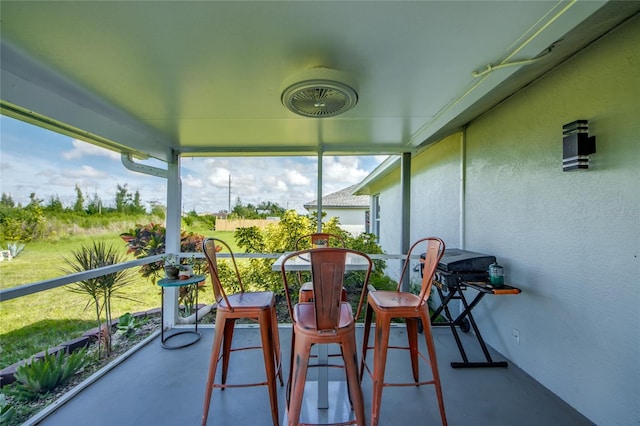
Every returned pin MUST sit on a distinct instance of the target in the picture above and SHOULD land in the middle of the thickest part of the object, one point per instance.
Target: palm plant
(100, 289)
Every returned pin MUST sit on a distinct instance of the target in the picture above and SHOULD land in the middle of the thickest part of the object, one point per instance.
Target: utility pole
(229, 211)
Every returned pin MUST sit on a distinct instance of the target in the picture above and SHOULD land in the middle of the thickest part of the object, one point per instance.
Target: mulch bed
(150, 322)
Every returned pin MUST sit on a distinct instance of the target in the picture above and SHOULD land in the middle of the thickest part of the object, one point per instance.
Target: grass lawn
(33, 323)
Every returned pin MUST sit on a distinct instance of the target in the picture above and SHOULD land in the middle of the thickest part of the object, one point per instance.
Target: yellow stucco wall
(566, 238)
(569, 240)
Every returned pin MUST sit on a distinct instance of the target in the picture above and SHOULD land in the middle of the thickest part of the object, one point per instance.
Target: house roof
(341, 199)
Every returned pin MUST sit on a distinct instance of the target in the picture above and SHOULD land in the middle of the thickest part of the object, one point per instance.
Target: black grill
(458, 265)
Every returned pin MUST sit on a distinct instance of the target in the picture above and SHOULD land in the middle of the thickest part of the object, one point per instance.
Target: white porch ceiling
(204, 77)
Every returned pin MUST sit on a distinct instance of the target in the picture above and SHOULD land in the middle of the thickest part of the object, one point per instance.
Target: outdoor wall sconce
(577, 145)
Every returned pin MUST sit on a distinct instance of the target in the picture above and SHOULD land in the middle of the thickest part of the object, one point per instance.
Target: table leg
(323, 377)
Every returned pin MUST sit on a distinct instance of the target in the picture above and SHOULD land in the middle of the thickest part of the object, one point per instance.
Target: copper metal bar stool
(388, 305)
(259, 306)
(327, 319)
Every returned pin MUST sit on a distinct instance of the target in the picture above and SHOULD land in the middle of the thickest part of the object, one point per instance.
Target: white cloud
(296, 178)
(281, 186)
(83, 172)
(81, 149)
(192, 181)
(219, 177)
(340, 172)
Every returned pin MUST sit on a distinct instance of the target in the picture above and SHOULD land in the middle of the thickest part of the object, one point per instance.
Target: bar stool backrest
(435, 251)
(328, 266)
(327, 270)
(210, 247)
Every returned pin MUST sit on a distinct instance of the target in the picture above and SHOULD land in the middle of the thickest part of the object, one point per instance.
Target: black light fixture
(577, 145)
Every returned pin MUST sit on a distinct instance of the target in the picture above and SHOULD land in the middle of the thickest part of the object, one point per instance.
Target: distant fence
(232, 224)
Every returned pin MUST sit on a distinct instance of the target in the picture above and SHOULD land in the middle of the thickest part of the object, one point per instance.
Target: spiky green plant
(6, 410)
(100, 289)
(44, 375)
(15, 248)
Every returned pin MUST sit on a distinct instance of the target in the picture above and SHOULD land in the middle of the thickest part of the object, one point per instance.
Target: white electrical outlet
(516, 335)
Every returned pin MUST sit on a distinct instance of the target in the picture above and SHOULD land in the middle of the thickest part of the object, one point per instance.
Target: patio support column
(172, 243)
(463, 185)
(405, 185)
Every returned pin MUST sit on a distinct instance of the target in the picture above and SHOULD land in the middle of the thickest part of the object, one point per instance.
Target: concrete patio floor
(156, 386)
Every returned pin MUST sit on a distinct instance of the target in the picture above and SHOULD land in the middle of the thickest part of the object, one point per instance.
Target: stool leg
(226, 347)
(276, 343)
(298, 379)
(426, 322)
(383, 325)
(213, 363)
(365, 338)
(291, 356)
(412, 335)
(350, 355)
(266, 334)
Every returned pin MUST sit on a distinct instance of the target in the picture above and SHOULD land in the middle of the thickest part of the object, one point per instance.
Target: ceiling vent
(319, 92)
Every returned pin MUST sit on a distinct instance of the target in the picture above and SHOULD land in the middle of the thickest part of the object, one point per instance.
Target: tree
(282, 236)
(268, 208)
(136, 205)
(78, 206)
(157, 209)
(94, 204)
(261, 211)
(7, 201)
(34, 201)
(123, 198)
(54, 205)
(100, 289)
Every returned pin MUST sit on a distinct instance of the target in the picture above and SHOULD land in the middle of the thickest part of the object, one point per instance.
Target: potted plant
(186, 271)
(171, 268)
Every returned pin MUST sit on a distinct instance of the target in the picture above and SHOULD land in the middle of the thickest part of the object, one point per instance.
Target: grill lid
(456, 260)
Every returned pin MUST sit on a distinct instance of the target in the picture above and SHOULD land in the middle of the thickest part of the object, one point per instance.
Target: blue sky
(47, 163)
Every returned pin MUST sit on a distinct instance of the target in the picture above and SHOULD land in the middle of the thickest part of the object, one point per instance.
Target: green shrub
(127, 324)
(6, 410)
(44, 375)
(149, 240)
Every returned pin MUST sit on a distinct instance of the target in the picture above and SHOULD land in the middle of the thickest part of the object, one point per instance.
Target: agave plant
(100, 289)
(15, 248)
(6, 410)
(44, 375)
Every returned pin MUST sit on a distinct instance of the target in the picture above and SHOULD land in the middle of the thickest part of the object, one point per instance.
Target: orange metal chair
(388, 305)
(327, 319)
(259, 306)
(316, 240)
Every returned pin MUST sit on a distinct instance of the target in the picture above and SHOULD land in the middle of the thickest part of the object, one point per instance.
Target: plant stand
(164, 283)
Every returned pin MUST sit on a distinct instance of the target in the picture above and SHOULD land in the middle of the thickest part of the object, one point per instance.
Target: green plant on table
(44, 375)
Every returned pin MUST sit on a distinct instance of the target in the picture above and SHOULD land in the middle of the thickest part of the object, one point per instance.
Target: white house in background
(351, 210)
